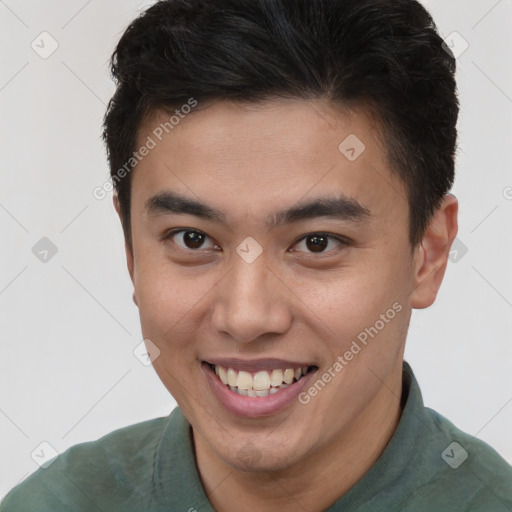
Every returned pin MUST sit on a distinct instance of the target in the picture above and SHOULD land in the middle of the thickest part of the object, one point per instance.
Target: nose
(251, 301)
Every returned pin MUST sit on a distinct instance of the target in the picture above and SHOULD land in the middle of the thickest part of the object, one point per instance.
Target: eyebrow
(339, 207)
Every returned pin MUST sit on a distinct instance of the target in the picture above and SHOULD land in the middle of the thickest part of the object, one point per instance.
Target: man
(282, 173)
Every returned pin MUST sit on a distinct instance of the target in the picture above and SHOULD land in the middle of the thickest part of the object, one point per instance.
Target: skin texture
(291, 303)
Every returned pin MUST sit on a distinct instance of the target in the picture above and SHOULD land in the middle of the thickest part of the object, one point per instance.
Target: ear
(128, 250)
(431, 255)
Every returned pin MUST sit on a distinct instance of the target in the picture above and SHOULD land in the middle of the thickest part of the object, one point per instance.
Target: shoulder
(470, 472)
(111, 473)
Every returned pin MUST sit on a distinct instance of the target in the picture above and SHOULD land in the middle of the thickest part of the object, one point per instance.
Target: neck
(317, 481)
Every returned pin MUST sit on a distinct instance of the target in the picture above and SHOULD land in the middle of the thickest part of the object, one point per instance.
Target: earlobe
(431, 256)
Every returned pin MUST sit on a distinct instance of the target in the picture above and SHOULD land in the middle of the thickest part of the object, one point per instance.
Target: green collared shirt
(428, 465)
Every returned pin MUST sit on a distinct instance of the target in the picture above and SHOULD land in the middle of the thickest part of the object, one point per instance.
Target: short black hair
(383, 55)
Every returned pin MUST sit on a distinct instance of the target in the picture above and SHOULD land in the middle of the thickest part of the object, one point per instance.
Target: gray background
(68, 325)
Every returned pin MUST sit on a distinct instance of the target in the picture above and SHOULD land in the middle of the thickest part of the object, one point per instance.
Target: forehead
(292, 128)
(265, 152)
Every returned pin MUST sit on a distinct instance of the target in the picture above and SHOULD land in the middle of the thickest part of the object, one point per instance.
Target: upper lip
(255, 365)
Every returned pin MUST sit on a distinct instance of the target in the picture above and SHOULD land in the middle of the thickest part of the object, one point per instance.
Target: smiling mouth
(261, 383)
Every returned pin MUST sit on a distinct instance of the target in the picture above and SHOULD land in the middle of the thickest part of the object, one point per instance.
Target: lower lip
(249, 407)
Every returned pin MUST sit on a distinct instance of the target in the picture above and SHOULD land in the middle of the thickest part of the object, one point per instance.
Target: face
(267, 257)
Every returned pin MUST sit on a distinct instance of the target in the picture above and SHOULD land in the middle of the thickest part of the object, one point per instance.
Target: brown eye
(319, 242)
(193, 239)
(190, 239)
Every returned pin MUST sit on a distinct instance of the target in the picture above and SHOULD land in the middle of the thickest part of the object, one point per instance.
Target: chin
(260, 456)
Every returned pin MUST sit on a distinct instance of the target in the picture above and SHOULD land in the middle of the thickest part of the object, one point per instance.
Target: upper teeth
(260, 381)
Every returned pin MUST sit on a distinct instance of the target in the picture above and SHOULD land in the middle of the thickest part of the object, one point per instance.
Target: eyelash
(344, 242)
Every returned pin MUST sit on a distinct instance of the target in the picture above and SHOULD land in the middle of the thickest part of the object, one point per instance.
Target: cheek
(163, 295)
(165, 302)
(365, 305)
(169, 305)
